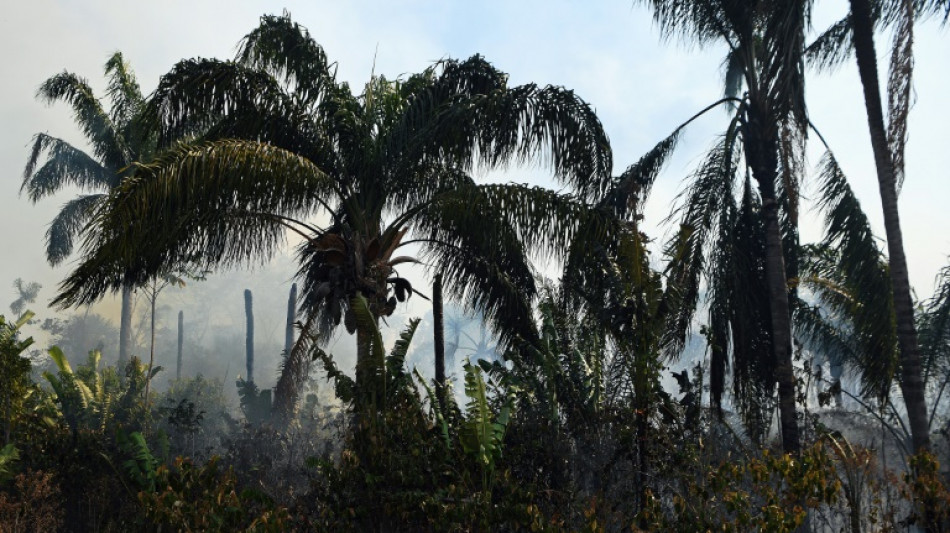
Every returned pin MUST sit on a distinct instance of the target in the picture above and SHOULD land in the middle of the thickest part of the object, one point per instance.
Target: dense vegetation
(562, 421)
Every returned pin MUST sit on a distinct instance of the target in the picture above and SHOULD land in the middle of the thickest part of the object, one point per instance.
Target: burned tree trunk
(291, 317)
(438, 318)
(249, 342)
(181, 342)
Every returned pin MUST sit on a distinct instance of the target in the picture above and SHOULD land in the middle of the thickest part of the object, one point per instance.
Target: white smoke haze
(608, 52)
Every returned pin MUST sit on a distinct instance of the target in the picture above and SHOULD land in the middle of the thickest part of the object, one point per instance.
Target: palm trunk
(249, 339)
(181, 342)
(366, 401)
(912, 383)
(125, 329)
(762, 152)
(438, 319)
(781, 327)
(642, 409)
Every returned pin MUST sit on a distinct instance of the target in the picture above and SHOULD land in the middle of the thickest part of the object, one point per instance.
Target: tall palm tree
(855, 34)
(117, 140)
(765, 87)
(888, 160)
(283, 141)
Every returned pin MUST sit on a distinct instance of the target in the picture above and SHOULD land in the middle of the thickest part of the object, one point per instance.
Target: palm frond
(294, 370)
(396, 362)
(749, 317)
(213, 204)
(545, 222)
(220, 99)
(107, 143)
(832, 48)
(858, 264)
(69, 224)
(899, 88)
(711, 185)
(491, 277)
(701, 22)
(733, 74)
(822, 336)
(65, 165)
(469, 117)
(287, 50)
(783, 59)
(634, 184)
(123, 90)
(935, 323)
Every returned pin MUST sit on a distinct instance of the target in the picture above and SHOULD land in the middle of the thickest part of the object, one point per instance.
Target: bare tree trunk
(151, 350)
(181, 342)
(438, 319)
(125, 329)
(249, 340)
(912, 383)
(291, 318)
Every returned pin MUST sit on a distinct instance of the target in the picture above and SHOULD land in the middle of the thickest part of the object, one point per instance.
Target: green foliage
(8, 457)
(439, 416)
(140, 465)
(15, 383)
(573, 430)
(196, 416)
(482, 433)
(391, 162)
(928, 489)
(771, 493)
(96, 399)
(256, 404)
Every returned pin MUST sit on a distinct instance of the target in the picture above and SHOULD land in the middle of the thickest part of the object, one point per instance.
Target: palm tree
(767, 131)
(888, 160)
(117, 140)
(26, 294)
(283, 141)
(855, 33)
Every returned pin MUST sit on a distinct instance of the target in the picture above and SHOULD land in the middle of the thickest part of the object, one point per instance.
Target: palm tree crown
(281, 141)
(114, 136)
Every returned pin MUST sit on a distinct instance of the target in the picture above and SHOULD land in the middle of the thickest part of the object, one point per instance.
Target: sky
(609, 52)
